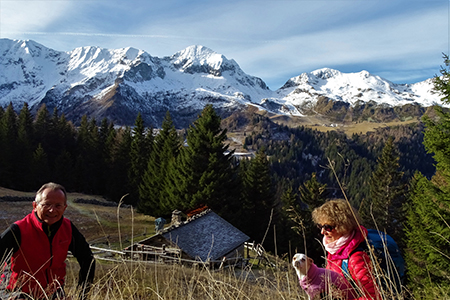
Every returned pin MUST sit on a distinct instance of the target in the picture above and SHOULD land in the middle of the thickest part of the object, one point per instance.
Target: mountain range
(118, 83)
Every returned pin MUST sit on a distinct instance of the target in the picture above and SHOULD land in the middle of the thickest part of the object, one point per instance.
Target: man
(39, 244)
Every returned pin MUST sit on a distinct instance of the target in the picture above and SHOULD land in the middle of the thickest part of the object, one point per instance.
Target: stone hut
(205, 237)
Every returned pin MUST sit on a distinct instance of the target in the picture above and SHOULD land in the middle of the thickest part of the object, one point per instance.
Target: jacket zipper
(50, 241)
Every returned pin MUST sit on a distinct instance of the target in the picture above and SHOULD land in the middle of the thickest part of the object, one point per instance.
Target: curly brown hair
(338, 213)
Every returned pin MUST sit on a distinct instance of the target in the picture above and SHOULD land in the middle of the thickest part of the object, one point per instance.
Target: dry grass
(155, 281)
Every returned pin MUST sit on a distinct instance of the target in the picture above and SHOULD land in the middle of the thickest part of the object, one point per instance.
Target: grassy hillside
(322, 124)
(122, 279)
(100, 224)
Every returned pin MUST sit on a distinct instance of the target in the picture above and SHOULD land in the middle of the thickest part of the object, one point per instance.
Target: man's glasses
(326, 227)
(57, 206)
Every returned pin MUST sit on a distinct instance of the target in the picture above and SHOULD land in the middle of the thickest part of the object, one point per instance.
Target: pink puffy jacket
(359, 266)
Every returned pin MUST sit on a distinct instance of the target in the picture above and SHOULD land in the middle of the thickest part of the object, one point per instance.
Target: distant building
(244, 155)
(241, 155)
(204, 237)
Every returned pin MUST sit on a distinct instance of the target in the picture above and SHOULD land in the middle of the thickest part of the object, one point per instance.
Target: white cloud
(24, 16)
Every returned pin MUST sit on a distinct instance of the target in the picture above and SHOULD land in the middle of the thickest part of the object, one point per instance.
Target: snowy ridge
(118, 83)
(28, 71)
(354, 87)
(201, 58)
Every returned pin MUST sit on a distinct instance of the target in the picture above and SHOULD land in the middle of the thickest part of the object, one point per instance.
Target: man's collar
(53, 227)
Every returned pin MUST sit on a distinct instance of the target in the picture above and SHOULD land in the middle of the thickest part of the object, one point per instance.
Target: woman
(342, 234)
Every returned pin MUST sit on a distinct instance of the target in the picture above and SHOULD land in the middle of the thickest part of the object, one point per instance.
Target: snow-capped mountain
(354, 87)
(119, 83)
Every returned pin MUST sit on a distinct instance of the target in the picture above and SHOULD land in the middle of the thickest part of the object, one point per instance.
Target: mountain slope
(119, 83)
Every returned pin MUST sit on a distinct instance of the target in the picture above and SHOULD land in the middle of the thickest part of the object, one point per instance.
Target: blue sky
(275, 40)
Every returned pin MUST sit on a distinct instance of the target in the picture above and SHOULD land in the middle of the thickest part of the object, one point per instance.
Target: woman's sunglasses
(326, 227)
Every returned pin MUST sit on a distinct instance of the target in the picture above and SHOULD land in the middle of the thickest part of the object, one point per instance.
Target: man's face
(51, 207)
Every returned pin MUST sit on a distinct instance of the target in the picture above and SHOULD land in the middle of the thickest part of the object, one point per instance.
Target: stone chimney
(176, 217)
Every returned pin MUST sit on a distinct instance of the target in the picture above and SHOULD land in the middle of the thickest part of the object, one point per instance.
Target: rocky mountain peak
(326, 73)
(201, 59)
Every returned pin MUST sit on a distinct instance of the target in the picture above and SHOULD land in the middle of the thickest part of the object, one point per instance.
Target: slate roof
(205, 236)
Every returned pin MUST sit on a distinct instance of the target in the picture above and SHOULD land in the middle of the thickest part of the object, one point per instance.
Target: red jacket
(40, 264)
(359, 266)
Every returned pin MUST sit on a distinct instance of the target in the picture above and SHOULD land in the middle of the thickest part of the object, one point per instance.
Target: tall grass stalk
(385, 282)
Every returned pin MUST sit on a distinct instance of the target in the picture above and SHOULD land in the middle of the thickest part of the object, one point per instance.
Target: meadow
(119, 278)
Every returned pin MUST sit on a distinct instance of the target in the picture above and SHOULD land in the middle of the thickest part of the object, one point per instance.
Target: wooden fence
(166, 255)
(260, 252)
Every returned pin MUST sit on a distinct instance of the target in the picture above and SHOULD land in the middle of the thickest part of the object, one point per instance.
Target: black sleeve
(9, 241)
(82, 252)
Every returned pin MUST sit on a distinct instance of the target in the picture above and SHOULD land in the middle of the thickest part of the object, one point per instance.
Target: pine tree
(258, 197)
(106, 134)
(40, 167)
(62, 164)
(428, 229)
(385, 209)
(418, 233)
(288, 230)
(53, 144)
(140, 150)
(118, 181)
(96, 158)
(8, 150)
(152, 190)
(203, 173)
(25, 124)
(67, 135)
(41, 126)
(65, 159)
(25, 134)
(442, 83)
(313, 193)
(290, 200)
(87, 162)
